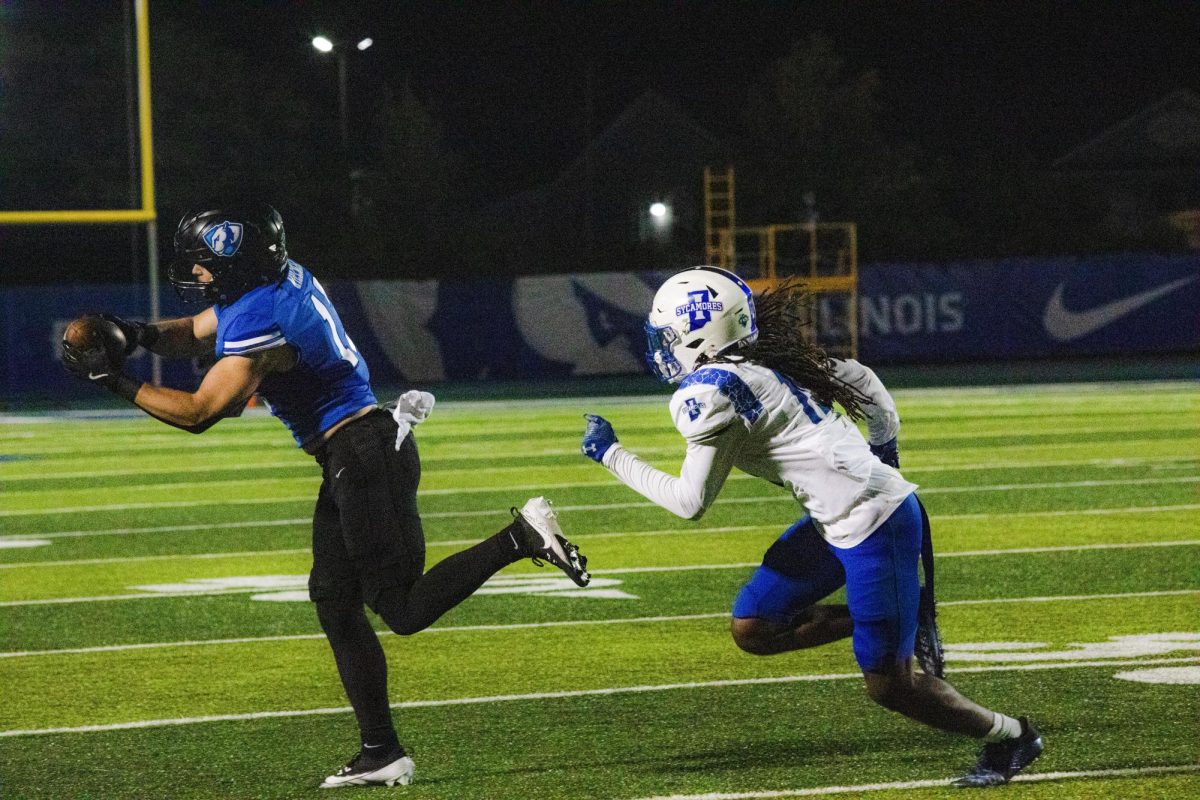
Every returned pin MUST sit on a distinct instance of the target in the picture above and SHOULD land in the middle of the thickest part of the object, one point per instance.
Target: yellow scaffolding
(823, 255)
(720, 217)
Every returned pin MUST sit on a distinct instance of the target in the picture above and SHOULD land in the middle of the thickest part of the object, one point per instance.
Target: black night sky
(517, 90)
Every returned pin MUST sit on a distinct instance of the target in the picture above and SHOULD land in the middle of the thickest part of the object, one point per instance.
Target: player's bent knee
(397, 618)
(892, 691)
(403, 618)
(752, 635)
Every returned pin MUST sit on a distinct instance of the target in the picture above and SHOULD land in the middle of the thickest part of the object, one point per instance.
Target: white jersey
(748, 416)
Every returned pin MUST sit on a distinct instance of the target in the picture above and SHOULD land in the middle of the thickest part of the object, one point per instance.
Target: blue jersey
(330, 380)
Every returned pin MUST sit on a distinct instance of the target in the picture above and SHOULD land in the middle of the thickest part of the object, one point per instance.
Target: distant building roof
(650, 127)
(1165, 135)
(652, 142)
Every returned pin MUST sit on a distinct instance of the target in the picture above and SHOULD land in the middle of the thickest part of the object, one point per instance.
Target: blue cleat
(999, 761)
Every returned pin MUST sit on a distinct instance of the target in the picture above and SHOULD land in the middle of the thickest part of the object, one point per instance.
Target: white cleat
(365, 770)
(544, 540)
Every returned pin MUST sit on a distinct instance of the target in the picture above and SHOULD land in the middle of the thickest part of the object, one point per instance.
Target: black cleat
(929, 639)
(542, 540)
(999, 761)
(388, 769)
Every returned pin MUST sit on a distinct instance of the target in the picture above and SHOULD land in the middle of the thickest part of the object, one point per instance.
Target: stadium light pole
(323, 44)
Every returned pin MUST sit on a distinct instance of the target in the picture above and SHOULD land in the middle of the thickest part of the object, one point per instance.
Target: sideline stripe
(1003, 487)
(608, 480)
(1066, 548)
(307, 521)
(51, 601)
(161, 440)
(510, 626)
(605, 692)
(515, 626)
(1100, 463)
(1037, 777)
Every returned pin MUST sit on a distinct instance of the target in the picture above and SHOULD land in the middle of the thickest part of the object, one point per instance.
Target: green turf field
(154, 640)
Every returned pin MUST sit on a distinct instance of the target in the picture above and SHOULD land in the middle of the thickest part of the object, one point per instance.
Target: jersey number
(348, 350)
(813, 410)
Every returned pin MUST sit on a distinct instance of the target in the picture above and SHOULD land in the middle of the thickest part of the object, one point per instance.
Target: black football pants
(369, 548)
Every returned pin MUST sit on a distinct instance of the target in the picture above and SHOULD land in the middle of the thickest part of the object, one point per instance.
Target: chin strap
(411, 408)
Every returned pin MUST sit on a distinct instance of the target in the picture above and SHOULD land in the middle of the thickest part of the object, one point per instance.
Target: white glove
(412, 408)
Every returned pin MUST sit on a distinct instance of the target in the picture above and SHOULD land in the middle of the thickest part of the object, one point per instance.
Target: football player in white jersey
(755, 393)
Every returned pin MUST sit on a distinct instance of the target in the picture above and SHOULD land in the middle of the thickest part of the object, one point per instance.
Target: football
(92, 332)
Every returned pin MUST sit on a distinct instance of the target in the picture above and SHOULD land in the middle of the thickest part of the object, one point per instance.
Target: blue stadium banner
(580, 325)
(1020, 309)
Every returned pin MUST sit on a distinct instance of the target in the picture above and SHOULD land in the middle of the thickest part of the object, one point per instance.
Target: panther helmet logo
(224, 238)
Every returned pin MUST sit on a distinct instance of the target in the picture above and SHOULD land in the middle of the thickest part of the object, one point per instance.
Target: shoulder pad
(711, 399)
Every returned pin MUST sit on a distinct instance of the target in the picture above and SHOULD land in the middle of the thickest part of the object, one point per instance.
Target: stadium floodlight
(323, 44)
(659, 211)
(363, 44)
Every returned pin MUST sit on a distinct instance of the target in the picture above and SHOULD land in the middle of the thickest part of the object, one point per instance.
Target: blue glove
(888, 453)
(597, 438)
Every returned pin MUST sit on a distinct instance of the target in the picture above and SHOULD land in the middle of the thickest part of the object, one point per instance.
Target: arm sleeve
(883, 422)
(705, 468)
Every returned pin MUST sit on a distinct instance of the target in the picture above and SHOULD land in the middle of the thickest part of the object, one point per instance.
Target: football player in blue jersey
(274, 332)
(755, 393)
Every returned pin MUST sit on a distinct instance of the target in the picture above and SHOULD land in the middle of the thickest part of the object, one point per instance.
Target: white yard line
(606, 481)
(1085, 512)
(821, 791)
(265, 523)
(512, 626)
(50, 601)
(1100, 463)
(308, 498)
(276, 438)
(1066, 548)
(602, 692)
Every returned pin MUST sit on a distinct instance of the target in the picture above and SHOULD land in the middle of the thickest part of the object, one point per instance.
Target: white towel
(412, 408)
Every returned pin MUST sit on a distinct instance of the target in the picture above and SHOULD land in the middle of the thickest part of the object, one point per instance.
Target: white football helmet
(696, 315)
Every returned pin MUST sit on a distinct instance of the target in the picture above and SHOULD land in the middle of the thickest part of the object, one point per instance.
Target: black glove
(95, 367)
(136, 333)
(888, 453)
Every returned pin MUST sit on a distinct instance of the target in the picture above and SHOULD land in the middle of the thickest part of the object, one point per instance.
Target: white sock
(1003, 728)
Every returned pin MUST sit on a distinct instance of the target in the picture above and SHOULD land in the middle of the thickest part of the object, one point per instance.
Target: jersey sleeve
(701, 412)
(250, 331)
(703, 473)
(883, 421)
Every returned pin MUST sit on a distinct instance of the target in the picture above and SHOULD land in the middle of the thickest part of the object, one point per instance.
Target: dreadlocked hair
(787, 345)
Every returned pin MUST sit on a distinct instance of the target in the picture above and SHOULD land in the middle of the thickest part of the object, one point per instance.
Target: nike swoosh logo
(94, 377)
(1065, 326)
(338, 474)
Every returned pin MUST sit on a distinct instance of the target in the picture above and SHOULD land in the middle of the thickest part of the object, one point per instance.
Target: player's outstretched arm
(705, 468)
(187, 337)
(223, 392)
